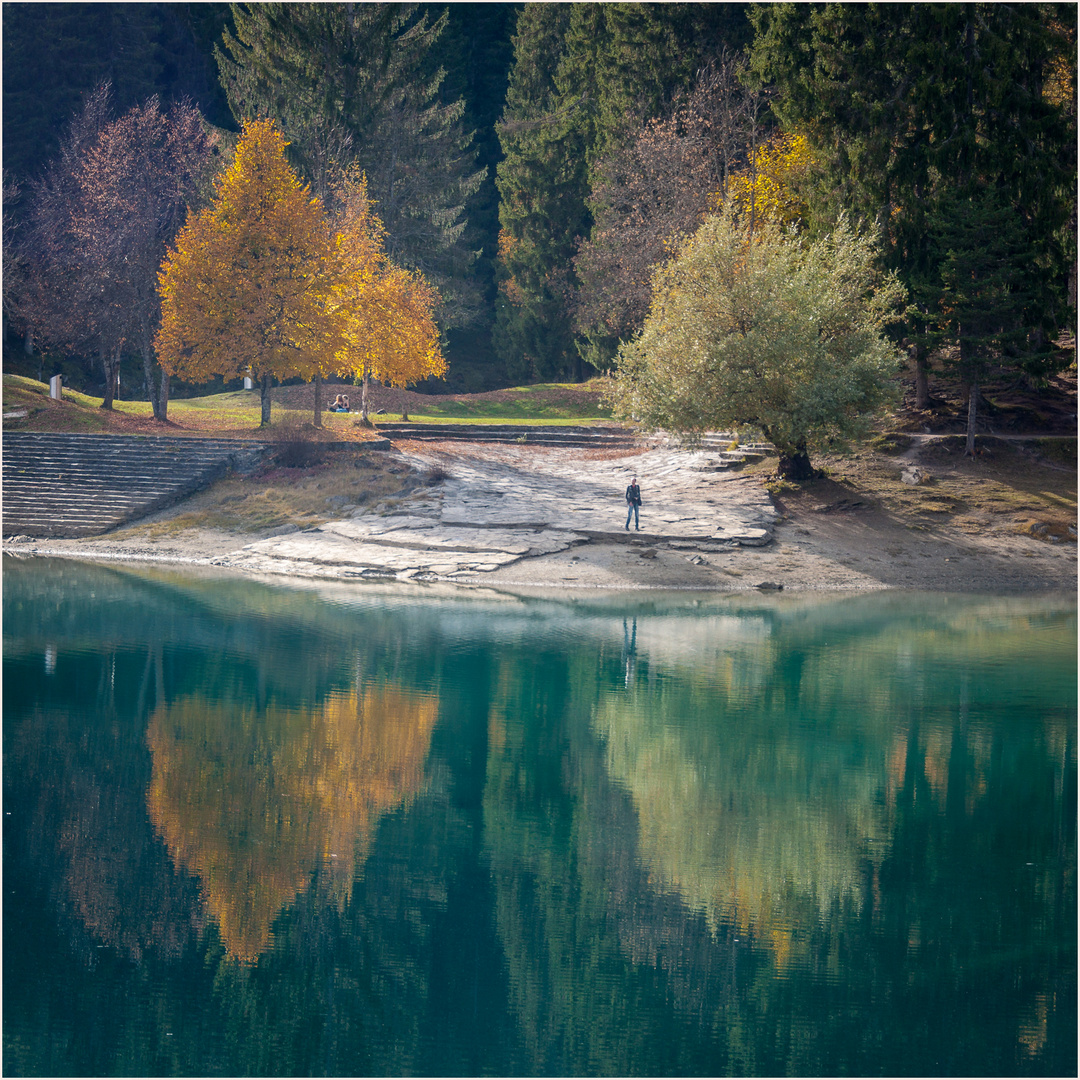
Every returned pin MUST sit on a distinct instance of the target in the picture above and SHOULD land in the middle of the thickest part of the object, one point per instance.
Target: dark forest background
(594, 135)
(55, 55)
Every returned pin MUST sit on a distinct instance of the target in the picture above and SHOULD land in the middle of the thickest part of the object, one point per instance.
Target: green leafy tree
(358, 84)
(765, 331)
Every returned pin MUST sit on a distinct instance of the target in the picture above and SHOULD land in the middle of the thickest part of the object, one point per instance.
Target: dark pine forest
(555, 154)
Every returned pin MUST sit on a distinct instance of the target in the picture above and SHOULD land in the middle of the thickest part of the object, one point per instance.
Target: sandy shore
(831, 555)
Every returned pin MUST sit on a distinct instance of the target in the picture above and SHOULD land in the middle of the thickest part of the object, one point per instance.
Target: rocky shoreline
(516, 518)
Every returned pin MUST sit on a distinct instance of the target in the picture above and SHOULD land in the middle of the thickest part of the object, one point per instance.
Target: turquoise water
(319, 829)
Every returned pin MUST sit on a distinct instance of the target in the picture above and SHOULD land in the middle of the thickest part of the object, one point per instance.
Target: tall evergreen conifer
(476, 51)
(586, 77)
(542, 182)
(983, 287)
(911, 105)
(358, 84)
(56, 54)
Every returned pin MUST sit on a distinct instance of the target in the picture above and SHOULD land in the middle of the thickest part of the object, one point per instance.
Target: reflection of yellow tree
(253, 803)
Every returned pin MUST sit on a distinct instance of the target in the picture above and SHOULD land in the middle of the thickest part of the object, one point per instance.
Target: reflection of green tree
(561, 846)
(803, 809)
(989, 983)
(769, 769)
(832, 816)
(739, 813)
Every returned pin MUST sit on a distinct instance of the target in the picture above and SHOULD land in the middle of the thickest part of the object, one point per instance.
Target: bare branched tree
(656, 191)
(102, 217)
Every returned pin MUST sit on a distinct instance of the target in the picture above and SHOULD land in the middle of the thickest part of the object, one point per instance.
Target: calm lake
(312, 828)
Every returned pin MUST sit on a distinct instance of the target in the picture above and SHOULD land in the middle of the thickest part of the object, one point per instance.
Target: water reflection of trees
(75, 771)
(593, 954)
(776, 840)
(665, 847)
(773, 764)
(326, 725)
(253, 802)
(83, 829)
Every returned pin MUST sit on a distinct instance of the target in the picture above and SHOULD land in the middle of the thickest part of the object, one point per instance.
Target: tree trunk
(148, 382)
(264, 398)
(973, 405)
(364, 421)
(159, 398)
(318, 401)
(111, 366)
(922, 378)
(796, 467)
(794, 463)
(969, 376)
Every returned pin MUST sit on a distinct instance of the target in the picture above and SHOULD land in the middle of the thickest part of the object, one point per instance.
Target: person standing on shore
(633, 501)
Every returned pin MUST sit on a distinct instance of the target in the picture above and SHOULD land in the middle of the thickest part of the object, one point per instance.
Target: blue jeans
(632, 511)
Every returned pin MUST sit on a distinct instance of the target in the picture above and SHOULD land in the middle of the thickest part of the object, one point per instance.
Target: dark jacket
(633, 495)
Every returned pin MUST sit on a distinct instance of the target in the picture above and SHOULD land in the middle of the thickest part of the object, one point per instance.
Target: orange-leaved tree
(248, 285)
(389, 313)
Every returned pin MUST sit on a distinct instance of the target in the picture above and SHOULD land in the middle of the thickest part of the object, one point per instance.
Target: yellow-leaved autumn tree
(389, 313)
(248, 285)
(769, 187)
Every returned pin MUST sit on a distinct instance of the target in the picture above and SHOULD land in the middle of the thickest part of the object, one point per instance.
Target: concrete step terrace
(607, 437)
(69, 485)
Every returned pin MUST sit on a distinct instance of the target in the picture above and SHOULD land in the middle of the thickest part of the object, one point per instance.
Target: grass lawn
(235, 414)
(554, 403)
